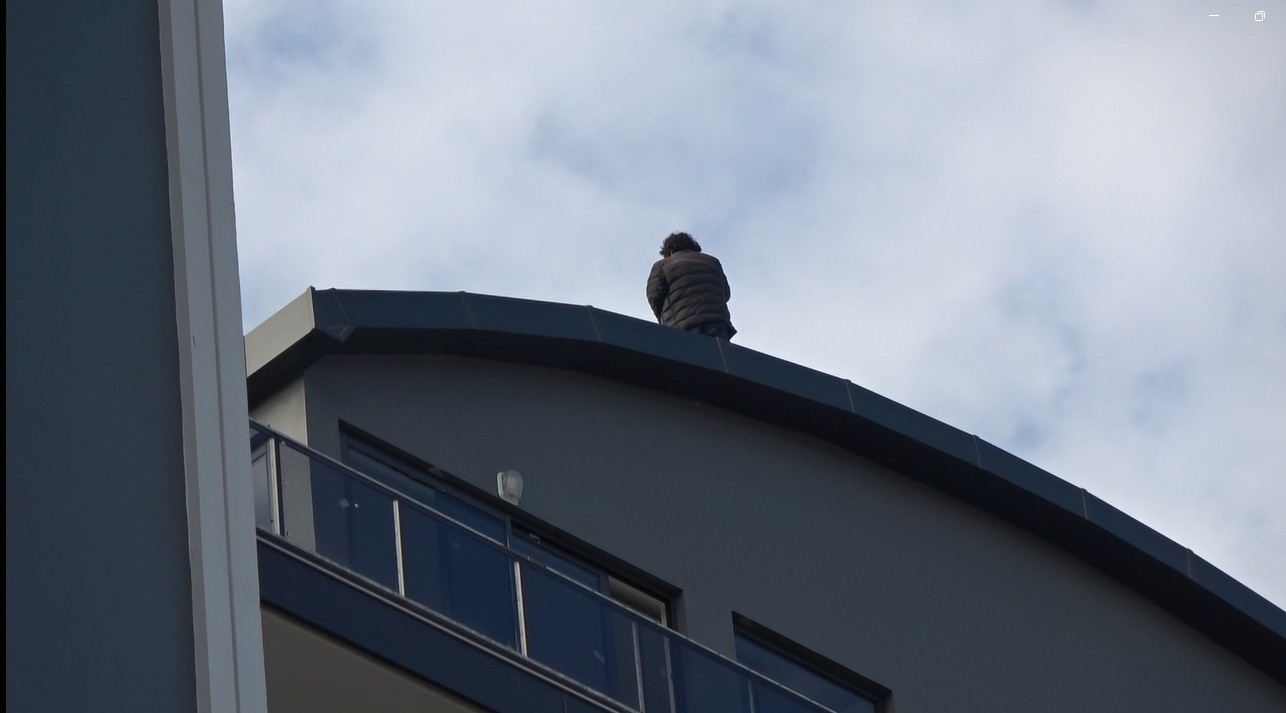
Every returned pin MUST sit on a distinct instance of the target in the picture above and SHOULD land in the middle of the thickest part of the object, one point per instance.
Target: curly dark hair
(678, 242)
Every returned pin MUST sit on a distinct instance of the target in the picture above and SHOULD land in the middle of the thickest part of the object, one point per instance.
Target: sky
(1057, 225)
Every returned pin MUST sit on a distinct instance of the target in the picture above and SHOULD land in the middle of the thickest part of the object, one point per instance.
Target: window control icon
(1260, 16)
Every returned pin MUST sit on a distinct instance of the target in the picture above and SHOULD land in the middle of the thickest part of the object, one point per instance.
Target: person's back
(687, 289)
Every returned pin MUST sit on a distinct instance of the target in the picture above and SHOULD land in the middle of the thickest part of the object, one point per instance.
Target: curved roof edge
(635, 351)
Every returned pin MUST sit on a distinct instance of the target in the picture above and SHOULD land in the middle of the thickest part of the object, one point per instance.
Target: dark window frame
(823, 667)
(520, 525)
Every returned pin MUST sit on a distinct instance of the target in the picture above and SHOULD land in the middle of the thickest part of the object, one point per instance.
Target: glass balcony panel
(771, 700)
(521, 542)
(459, 510)
(579, 635)
(261, 476)
(352, 523)
(706, 684)
(295, 476)
(434, 498)
(454, 573)
(654, 662)
(797, 677)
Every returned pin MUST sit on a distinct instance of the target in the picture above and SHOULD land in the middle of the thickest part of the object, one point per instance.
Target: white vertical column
(220, 496)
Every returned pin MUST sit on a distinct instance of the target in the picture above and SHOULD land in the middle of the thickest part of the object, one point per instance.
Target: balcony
(388, 540)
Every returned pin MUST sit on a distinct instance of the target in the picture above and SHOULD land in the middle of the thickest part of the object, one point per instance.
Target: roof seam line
(848, 389)
(589, 309)
(473, 319)
(723, 358)
(977, 451)
(348, 323)
(1085, 507)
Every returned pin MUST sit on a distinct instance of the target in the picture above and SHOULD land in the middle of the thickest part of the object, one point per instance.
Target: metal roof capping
(634, 351)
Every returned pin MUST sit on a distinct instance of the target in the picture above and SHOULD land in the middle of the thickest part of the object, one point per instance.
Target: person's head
(678, 242)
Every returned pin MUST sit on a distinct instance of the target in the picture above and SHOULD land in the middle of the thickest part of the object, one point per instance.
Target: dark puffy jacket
(688, 289)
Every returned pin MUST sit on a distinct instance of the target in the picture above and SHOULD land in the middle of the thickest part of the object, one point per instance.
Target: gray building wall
(285, 411)
(129, 513)
(98, 585)
(949, 607)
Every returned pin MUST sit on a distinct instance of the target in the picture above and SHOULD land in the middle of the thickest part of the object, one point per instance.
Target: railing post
(397, 545)
(274, 484)
(638, 665)
(522, 615)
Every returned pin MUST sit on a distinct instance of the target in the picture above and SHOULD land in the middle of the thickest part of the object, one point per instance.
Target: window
(424, 487)
(407, 480)
(475, 560)
(569, 565)
(512, 584)
(802, 671)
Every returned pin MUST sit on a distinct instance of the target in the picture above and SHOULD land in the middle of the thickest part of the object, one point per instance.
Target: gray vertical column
(107, 599)
(212, 365)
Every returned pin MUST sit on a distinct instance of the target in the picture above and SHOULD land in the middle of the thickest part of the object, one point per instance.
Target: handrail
(439, 622)
(657, 670)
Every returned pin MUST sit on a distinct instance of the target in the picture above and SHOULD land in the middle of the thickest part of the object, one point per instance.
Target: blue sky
(1058, 226)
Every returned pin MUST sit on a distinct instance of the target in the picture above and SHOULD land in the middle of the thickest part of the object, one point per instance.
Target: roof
(634, 351)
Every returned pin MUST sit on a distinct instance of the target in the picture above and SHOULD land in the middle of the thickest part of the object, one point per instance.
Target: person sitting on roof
(687, 289)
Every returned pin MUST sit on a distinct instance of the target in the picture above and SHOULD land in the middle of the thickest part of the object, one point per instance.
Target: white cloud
(1058, 226)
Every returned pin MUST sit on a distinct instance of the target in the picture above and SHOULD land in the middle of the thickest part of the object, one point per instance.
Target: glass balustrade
(403, 546)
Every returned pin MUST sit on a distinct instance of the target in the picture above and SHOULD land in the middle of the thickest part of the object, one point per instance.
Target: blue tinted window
(466, 514)
(353, 524)
(654, 663)
(707, 684)
(797, 677)
(565, 566)
(456, 574)
(387, 474)
(397, 478)
(580, 636)
(771, 700)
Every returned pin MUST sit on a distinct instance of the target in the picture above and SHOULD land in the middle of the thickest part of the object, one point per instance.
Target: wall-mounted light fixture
(509, 485)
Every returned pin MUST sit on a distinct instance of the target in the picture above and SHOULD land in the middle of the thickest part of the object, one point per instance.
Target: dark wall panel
(98, 601)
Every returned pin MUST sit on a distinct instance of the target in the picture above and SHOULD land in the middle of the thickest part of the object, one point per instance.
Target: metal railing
(394, 542)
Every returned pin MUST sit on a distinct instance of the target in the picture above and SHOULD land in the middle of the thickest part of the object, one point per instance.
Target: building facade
(701, 528)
